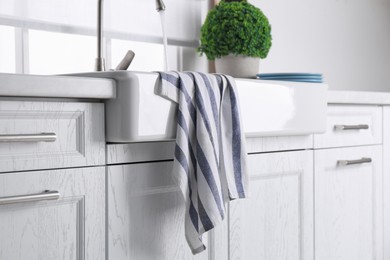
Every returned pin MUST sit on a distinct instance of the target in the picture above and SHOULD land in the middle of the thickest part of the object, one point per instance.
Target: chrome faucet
(100, 62)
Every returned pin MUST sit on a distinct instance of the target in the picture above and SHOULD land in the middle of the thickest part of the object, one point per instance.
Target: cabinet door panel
(348, 205)
(276, 221)
(146, 214)
(71, 227)
(386, 180)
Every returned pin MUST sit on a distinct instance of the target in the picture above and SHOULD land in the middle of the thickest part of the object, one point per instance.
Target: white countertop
(358, 97)
(20, 85)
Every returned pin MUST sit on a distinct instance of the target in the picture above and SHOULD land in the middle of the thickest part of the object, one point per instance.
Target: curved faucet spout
(99, 62)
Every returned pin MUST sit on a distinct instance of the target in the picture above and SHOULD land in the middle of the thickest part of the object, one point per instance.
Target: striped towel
(210, 156)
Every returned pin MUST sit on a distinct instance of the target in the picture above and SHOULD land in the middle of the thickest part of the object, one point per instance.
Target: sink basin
(279, 108)
(268, 108)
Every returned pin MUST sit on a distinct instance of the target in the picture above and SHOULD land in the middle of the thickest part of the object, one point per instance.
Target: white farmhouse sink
(268, 108)
(279, 108)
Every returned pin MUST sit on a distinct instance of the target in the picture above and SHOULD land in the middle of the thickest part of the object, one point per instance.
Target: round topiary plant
(235, 27)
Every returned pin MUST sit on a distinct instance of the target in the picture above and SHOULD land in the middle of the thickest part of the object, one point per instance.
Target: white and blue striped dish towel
(210, 155)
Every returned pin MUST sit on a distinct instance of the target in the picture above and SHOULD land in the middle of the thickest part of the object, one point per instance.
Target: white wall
(346, 40)
(126, 16)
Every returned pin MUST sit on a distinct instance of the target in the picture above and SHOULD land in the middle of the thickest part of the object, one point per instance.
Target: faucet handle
(126, 61)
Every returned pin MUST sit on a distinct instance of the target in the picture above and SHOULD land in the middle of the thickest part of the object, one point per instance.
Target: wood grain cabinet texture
(386, 180)
(348, 204)
(71, 226)
(343, 123)
(79, 128)
(302, 204)
(348, 185)
(146, 214)
(276, 221)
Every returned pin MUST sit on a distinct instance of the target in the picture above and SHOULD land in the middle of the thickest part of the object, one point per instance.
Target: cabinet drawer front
(351, 126)
(68, 227)
(348, 203)
(43, 135)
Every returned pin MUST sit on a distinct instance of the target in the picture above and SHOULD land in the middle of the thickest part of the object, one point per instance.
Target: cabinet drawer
(66, 224)
(351, 126)
(75, 131)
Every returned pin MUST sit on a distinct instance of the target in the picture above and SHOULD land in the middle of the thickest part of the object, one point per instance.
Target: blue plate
(289, 74)
(291, 77)
(298, 80)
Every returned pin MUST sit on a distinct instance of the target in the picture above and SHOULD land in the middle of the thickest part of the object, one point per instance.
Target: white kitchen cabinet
(43, 134)
(349, 184)
(386, 180)
(302, 204)
(69, 227)
(146, 214)
(146, 211)
(276, 220)
(349, 204)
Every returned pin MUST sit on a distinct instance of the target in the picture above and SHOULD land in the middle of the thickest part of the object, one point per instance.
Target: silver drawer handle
(46, 195)
(349, 162)
(351, 127)
(42, 137)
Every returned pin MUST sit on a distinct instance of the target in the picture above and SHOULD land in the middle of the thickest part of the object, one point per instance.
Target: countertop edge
(358, 97)
(48, 87)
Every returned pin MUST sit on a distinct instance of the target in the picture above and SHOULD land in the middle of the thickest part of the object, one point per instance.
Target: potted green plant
(236, 35)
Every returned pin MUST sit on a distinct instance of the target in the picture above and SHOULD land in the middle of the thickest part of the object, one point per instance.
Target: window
(55, 53)
(58, 37)
(7, 49)
(148, 56)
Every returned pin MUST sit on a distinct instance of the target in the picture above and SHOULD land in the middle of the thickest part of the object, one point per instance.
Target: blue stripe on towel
(170, 78)
(220, 83)
(209, 177)
(204, 218)
(183, 124)
(236, 142)
(190, 105)
(202, 110)
(179, 155)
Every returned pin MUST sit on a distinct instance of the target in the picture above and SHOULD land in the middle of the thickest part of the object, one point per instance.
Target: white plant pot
(238, 66)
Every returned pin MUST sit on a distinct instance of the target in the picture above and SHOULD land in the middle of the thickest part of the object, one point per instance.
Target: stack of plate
(299, 77)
